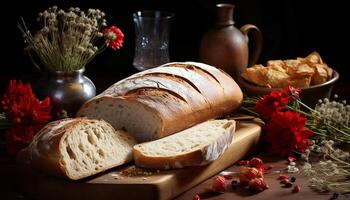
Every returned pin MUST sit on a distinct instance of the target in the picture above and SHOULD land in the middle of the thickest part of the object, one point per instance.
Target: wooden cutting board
(128, 182)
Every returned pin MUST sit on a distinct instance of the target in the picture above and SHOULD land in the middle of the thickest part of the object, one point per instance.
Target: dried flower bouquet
(68, 40)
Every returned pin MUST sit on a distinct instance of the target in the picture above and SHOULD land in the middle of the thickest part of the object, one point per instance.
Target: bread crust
(217, 96)
(45, 150)
(198, 157)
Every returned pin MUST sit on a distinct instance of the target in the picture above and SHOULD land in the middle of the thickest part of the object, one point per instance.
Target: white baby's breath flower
(332, 173)
(91, 52)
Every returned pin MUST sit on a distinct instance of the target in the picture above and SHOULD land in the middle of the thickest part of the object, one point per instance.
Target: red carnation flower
(286, 132)
(22, 107)
(275, 101)
(26, 112)
(114, 37)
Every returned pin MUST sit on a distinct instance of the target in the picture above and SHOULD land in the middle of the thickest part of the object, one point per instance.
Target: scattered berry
(282, 177)
(258, 184)
(288, 184)
(249, 173)
(284, 181)
(257, 163)
(219, 184)
(296, 189)
(293, 179)
(196, 197)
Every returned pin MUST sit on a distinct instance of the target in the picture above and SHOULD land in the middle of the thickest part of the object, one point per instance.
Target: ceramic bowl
(309, 95)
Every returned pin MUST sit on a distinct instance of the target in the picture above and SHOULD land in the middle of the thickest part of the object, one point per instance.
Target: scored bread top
(179, 95)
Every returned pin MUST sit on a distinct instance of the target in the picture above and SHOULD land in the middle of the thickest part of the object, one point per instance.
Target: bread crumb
(115, 176)
(134, 171)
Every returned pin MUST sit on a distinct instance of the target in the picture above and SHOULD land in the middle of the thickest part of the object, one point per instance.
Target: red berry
(196, 197)
(296, 189)
(256, 162)
(219, 184)
(288, 185)
(258, 184)
(284, 181)
(282, 177)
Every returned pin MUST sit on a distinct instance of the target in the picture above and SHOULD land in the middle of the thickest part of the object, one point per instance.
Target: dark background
(290, 29)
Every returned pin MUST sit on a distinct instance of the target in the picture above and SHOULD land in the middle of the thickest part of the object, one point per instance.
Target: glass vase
(67, 90)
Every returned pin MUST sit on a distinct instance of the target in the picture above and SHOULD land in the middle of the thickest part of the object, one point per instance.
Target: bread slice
(195, 146)
(80, 147)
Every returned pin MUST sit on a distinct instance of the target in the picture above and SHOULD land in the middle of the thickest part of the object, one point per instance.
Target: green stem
(250, 111)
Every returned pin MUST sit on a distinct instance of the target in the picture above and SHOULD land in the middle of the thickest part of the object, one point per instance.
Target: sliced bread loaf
(77, 148)
(195, 146)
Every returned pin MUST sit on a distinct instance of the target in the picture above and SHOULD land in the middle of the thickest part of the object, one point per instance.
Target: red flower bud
(219, 184)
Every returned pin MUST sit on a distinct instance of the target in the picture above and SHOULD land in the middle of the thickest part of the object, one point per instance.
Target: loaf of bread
(195, 146)
(77, 148)
(164, 100)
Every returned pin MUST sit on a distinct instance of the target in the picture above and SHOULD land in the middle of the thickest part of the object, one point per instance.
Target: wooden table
(8, 188)
(276, 191)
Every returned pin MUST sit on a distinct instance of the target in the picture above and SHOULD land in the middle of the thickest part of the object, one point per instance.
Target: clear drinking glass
(152, 38)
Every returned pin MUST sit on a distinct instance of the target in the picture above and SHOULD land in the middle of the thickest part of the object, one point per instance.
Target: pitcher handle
(257, 39)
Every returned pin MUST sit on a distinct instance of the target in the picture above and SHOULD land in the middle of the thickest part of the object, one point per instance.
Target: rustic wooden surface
(275, 191)
(158, 185)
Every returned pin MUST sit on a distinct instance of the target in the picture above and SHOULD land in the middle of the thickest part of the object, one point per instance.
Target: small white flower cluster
(67, 39)
(333, 112)
(332, 173)
(291, 168)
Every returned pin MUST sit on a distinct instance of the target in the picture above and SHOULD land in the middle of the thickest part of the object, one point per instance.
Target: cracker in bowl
(299, 72)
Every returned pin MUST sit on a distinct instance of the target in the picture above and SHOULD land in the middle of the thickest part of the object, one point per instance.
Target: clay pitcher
(226, 47)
